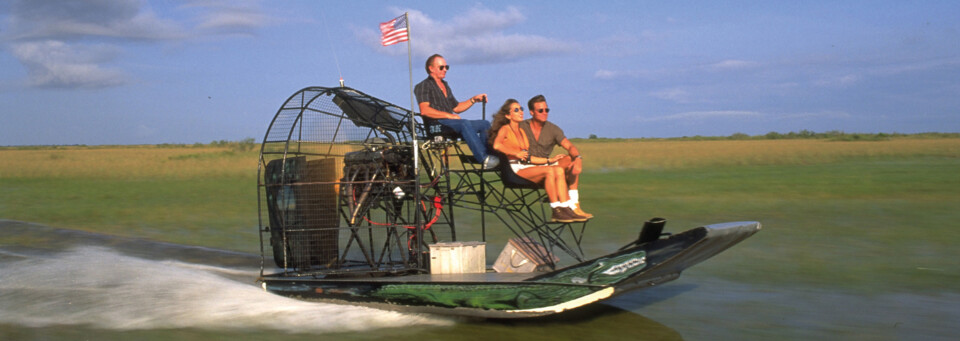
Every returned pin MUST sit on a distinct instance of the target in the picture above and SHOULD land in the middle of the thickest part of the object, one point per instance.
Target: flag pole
(416, 148)
(413, 127)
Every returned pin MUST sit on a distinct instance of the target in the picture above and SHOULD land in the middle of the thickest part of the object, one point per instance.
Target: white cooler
(458, 258)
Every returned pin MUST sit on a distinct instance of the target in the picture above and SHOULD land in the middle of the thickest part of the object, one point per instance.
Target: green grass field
(866, 215)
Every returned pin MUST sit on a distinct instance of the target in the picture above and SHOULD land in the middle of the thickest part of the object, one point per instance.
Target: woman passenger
(507, 138)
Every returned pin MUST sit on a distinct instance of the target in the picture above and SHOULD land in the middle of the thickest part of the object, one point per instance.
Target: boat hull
(504, 295)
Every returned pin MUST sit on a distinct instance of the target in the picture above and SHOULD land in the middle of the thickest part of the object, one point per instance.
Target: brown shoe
(581, 213)
(573, 215)
(561, 215)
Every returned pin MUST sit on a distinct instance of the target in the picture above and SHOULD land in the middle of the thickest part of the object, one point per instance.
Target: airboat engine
(379, 173)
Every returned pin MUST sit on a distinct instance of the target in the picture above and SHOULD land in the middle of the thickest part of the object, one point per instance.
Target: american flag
(394, 31)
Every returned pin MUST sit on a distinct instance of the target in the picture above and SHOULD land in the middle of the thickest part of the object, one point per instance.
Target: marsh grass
(680, 154)
(863, 215)
(862, 224)
(133, 162)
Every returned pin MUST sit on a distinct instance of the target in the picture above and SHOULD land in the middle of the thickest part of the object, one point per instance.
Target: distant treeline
(244, 145)
(834, 135)
(250, 143)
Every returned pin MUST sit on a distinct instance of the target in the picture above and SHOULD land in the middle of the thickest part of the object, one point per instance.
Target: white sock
(574, 195)
(555, 204)
(570, 204)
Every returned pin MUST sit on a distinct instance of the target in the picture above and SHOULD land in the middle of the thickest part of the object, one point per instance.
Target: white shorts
(516, 167)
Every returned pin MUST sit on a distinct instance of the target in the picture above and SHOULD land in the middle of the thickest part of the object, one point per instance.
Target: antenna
(336, 60)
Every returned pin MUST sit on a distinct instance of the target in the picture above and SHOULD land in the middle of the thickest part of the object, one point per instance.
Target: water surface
(58, 284)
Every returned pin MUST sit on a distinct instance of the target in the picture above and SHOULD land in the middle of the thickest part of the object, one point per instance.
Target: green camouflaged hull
(526, 295)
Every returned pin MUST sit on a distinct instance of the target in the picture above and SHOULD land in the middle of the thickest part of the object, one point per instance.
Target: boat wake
(99, 287)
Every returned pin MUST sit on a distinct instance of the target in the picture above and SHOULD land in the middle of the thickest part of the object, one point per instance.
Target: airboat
(361, 203)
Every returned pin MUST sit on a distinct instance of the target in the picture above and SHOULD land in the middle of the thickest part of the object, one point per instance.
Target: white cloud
(701, 115)
(230, 17)
(732, 64)
(476, 37)
(916, 66)
(625, 44)
(679, 71)
(70, 20)
(605, 74)
(481, 20)
(848, 79)
(66, 43)
(675, 94)
(838, 81)
(829, 114)
(54, 64)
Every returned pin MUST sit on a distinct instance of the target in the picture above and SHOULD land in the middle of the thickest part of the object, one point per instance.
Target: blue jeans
(473, 132)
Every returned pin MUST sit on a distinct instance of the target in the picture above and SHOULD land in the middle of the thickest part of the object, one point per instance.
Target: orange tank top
(514, 141)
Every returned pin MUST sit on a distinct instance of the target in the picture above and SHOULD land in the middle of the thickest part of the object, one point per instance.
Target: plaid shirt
(428, 91)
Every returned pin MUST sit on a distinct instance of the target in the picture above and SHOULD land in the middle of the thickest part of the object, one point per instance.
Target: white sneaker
(491, 162)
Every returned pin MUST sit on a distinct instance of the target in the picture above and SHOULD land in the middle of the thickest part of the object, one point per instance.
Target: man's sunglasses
(443, 67)
(547, 110)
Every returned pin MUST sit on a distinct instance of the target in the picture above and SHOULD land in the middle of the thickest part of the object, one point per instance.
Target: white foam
(98, 287)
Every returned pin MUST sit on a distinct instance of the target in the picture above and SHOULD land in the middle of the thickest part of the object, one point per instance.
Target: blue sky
(145, 72)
